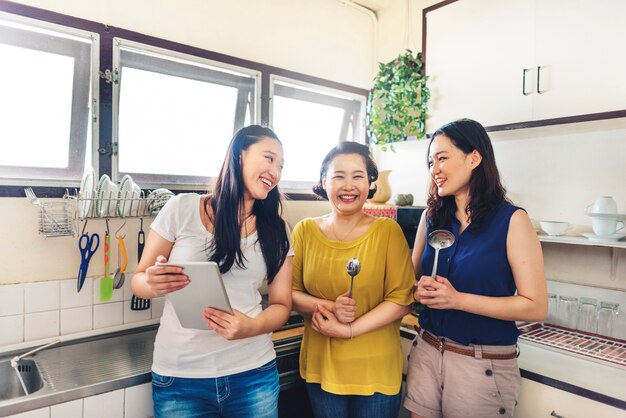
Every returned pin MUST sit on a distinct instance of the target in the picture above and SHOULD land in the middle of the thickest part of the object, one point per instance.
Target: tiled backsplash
(35, 311)
(607, 295)
(132, 402)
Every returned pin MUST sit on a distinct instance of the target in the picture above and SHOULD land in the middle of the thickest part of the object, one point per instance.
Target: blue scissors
(88, 244)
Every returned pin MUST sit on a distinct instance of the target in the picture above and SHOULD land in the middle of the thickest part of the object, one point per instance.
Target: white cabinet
(489, 60)
(580, 45)
(538, 400)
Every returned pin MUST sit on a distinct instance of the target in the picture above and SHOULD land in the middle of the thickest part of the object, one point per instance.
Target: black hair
(486, 191)
(227, 203)
(348, 147)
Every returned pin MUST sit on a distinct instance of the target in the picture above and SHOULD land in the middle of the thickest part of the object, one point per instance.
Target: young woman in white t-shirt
(229, 370)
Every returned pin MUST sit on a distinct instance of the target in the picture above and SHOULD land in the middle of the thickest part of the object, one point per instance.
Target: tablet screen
(206, 288)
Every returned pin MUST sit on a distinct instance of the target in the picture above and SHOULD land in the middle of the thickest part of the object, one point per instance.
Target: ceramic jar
(383, 188)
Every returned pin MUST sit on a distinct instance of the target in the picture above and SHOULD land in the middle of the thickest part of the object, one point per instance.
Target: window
(310, 120)
(45, 112)
(165, 112)
(177, 113)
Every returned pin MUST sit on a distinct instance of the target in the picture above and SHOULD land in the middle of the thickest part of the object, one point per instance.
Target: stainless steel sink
(10, 385)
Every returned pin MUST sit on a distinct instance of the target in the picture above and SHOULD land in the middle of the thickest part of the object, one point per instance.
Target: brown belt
(442, 346)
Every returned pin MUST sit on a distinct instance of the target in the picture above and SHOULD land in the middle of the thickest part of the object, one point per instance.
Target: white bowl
(554, 227)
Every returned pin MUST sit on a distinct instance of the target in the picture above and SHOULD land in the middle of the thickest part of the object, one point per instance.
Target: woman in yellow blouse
(351, 357)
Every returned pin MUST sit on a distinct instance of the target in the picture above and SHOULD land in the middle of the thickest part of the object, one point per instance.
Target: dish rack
(112, 206)
(590, 346)
(60, 218)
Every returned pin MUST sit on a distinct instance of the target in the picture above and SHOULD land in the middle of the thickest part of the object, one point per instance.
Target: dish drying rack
(589, 346)
(111, 206)
(60, 218)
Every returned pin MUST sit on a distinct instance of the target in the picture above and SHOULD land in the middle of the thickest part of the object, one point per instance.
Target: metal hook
(119, 229)
(107, 222)
(84, 226)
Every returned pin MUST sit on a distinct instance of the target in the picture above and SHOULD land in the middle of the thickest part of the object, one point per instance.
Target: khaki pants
(451, 385)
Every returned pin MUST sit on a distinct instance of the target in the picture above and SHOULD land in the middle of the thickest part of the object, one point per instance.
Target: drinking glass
(587, 315)
(568, 312)
(607, 315)
(552, 311)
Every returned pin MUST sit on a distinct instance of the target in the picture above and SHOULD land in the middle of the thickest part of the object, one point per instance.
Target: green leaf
(397, 105)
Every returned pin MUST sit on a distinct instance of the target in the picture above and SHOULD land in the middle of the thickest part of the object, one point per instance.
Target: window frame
(102, 95)
(119, 44)
(314, 93)
(85, 109)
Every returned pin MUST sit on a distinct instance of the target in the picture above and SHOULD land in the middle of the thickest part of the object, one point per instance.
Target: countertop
(102, 364)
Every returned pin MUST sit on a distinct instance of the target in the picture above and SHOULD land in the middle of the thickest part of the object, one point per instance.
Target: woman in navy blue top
(463, 363)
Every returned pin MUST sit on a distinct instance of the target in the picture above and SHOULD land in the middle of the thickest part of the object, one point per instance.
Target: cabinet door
(580, 47)
(537, 400)
(476, 51)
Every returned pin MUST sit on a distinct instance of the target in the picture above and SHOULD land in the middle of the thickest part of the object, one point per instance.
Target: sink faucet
(15, 361)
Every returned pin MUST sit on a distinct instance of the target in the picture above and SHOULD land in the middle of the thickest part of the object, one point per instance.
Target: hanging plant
(396, 107)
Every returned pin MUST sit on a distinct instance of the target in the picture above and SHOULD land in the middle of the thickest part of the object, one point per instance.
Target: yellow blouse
(371, 362)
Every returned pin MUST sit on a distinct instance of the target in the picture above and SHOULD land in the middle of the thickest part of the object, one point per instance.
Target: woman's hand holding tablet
(205, 289)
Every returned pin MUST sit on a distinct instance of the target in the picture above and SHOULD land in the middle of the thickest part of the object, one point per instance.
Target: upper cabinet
(513, 61)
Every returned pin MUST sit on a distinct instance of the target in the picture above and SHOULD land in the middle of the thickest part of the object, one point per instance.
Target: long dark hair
(227, 203)
(348, 147)
(485, 188)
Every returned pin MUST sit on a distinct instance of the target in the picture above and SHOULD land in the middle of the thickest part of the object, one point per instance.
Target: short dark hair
(485, 187)
(348, 147)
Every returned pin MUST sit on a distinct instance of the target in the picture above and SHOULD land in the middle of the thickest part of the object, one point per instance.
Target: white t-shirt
(192, 353)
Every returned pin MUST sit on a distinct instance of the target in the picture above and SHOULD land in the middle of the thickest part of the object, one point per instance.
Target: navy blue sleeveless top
(476, 263)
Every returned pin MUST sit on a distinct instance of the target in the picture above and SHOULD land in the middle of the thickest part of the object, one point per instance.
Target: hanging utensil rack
(56, 219)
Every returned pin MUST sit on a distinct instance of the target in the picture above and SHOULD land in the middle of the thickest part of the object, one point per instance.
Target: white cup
(603, 204)
(606, 227)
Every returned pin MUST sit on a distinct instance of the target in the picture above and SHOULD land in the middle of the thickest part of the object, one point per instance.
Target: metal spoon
(353, 268)
(439, 239)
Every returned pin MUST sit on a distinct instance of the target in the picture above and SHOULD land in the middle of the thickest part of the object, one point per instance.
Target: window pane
(176, 116)
(310, 122)
(305, 148)
(46, 142)
(185, 123)
(45, 80)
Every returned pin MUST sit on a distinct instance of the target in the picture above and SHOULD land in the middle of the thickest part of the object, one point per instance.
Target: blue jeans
(329, 405)
(253, 394)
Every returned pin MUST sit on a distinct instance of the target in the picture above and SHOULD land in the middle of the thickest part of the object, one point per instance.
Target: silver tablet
(205, 288)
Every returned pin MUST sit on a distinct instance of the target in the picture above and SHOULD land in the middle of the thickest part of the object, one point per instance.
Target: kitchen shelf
(576, 240)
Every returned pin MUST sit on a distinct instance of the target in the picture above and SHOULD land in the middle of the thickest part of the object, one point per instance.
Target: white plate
(85, 195)
(124, 196)
(106, 197)
(603, 238)
(613, 216)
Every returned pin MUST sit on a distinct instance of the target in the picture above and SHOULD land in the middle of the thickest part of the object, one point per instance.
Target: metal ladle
(439, 239)
(353, 268)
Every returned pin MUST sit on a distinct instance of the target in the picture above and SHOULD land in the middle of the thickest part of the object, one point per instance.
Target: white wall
(323, 38)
